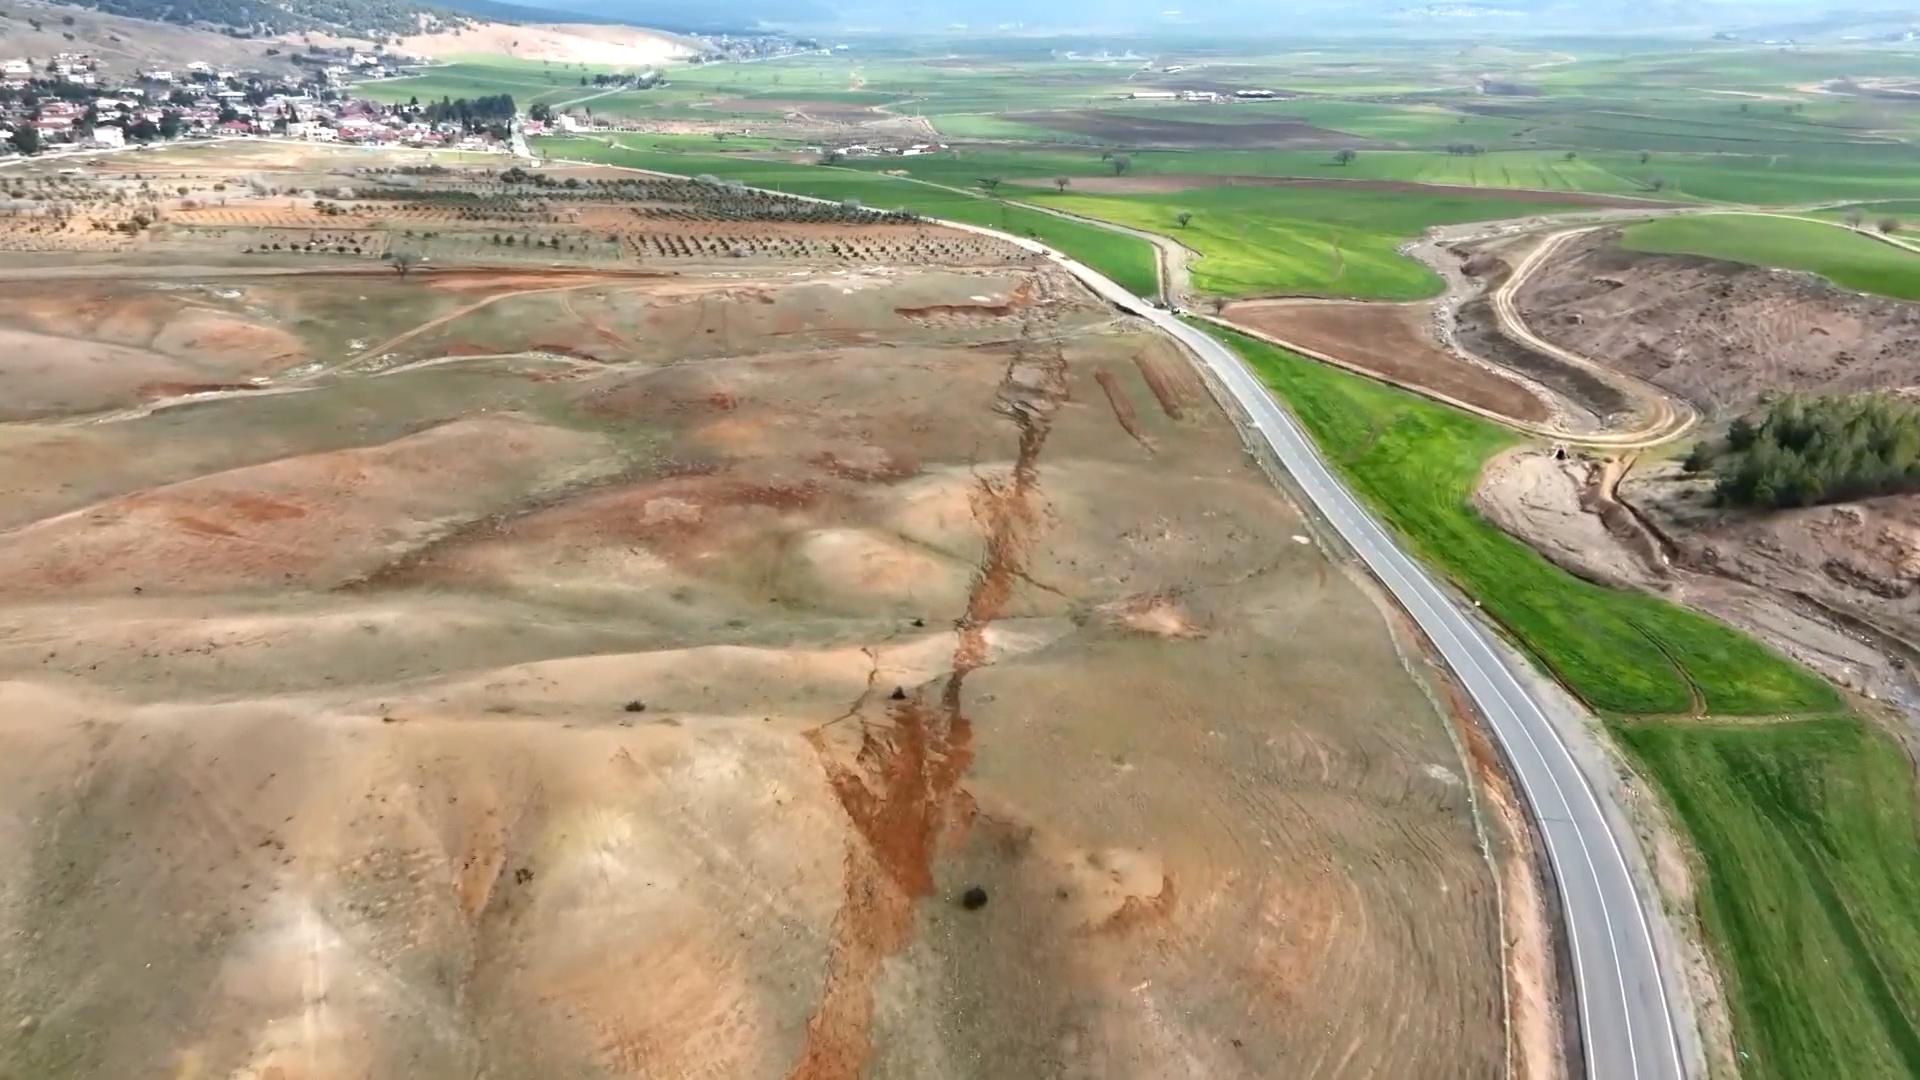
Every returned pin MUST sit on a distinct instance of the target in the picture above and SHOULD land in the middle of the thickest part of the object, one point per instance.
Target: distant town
(69, 102)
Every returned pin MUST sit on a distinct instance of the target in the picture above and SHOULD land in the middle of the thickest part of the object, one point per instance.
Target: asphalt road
(1627, 1028)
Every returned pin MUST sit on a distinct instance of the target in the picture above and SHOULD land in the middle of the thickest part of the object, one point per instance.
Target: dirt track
(1719, 334)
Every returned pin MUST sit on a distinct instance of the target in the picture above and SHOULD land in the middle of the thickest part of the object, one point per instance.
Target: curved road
(1626, 1026)
(1627, 1029)
(1667, 417)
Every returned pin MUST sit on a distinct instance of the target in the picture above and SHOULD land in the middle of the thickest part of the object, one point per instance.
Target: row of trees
(473, 114)
(1804, 451)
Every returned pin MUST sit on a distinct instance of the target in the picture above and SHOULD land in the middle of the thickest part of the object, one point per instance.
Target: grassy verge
(1805, 828)
(1125, 259)
(1807, 834)
(1839, 255)
(1624, 652)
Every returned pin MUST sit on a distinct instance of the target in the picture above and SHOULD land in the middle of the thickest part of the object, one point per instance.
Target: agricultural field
(1801, 817)
(1846, 258)
(1623, 652)
(1256, 240)
(709, 665)
(1127, 260)
(340, 207)
(529, 82)
(1807, 833)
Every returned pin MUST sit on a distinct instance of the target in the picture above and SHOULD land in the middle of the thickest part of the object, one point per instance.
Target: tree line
(473, 114)
(1804, 451)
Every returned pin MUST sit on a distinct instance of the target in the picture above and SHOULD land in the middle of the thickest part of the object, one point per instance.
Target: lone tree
(1889, 225)
(1645, 157)
(403, 261)
(1183, 217)
(830, 157)
(1120, 164)
(1657, 184)
(1345, 156)
(1854, 218)
(1571, 155)
(1063, 183)
(27, 139)
(989, 184)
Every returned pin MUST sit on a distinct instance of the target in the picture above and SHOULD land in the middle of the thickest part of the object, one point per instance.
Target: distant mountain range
(1258, 18)
(1118, 19)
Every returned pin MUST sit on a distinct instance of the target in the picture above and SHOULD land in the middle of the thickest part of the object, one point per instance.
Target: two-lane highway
(1627, 1029)
(1626, 1025)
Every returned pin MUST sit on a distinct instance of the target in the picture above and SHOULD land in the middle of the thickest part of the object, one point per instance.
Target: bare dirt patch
(1833, 587)
(1719, 334)
(71, 347)
(1861, 560)
(1477, 329)
(1392, 341)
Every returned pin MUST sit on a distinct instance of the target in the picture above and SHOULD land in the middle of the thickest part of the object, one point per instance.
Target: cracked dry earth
(649, 713)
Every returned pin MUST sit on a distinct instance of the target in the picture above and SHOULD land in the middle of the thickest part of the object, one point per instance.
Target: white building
(16, 67)
(568, 122)
(160, 75)
(109, 137)
(1153, 95)
(199, 67)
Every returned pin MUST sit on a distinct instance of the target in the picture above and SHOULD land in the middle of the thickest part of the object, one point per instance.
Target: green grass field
(1847, 259)
(1624, 652)
(529, 82)
(1317, 241)
(1812, 865)
(1125, 259)
(1806, 828)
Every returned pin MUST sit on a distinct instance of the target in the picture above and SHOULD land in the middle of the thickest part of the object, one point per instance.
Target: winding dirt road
(1663, 417)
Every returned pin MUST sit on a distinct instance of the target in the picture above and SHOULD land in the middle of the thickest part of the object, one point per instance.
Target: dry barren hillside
(732, 670)
(123, 46)
(1719, 334)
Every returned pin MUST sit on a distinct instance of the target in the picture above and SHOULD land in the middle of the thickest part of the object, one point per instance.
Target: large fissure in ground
(902, 789)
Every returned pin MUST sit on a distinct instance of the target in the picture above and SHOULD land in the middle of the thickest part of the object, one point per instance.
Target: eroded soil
(634, 678)
(1717, 333)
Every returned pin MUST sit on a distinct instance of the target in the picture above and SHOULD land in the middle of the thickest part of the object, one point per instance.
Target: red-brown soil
(1390, 340)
